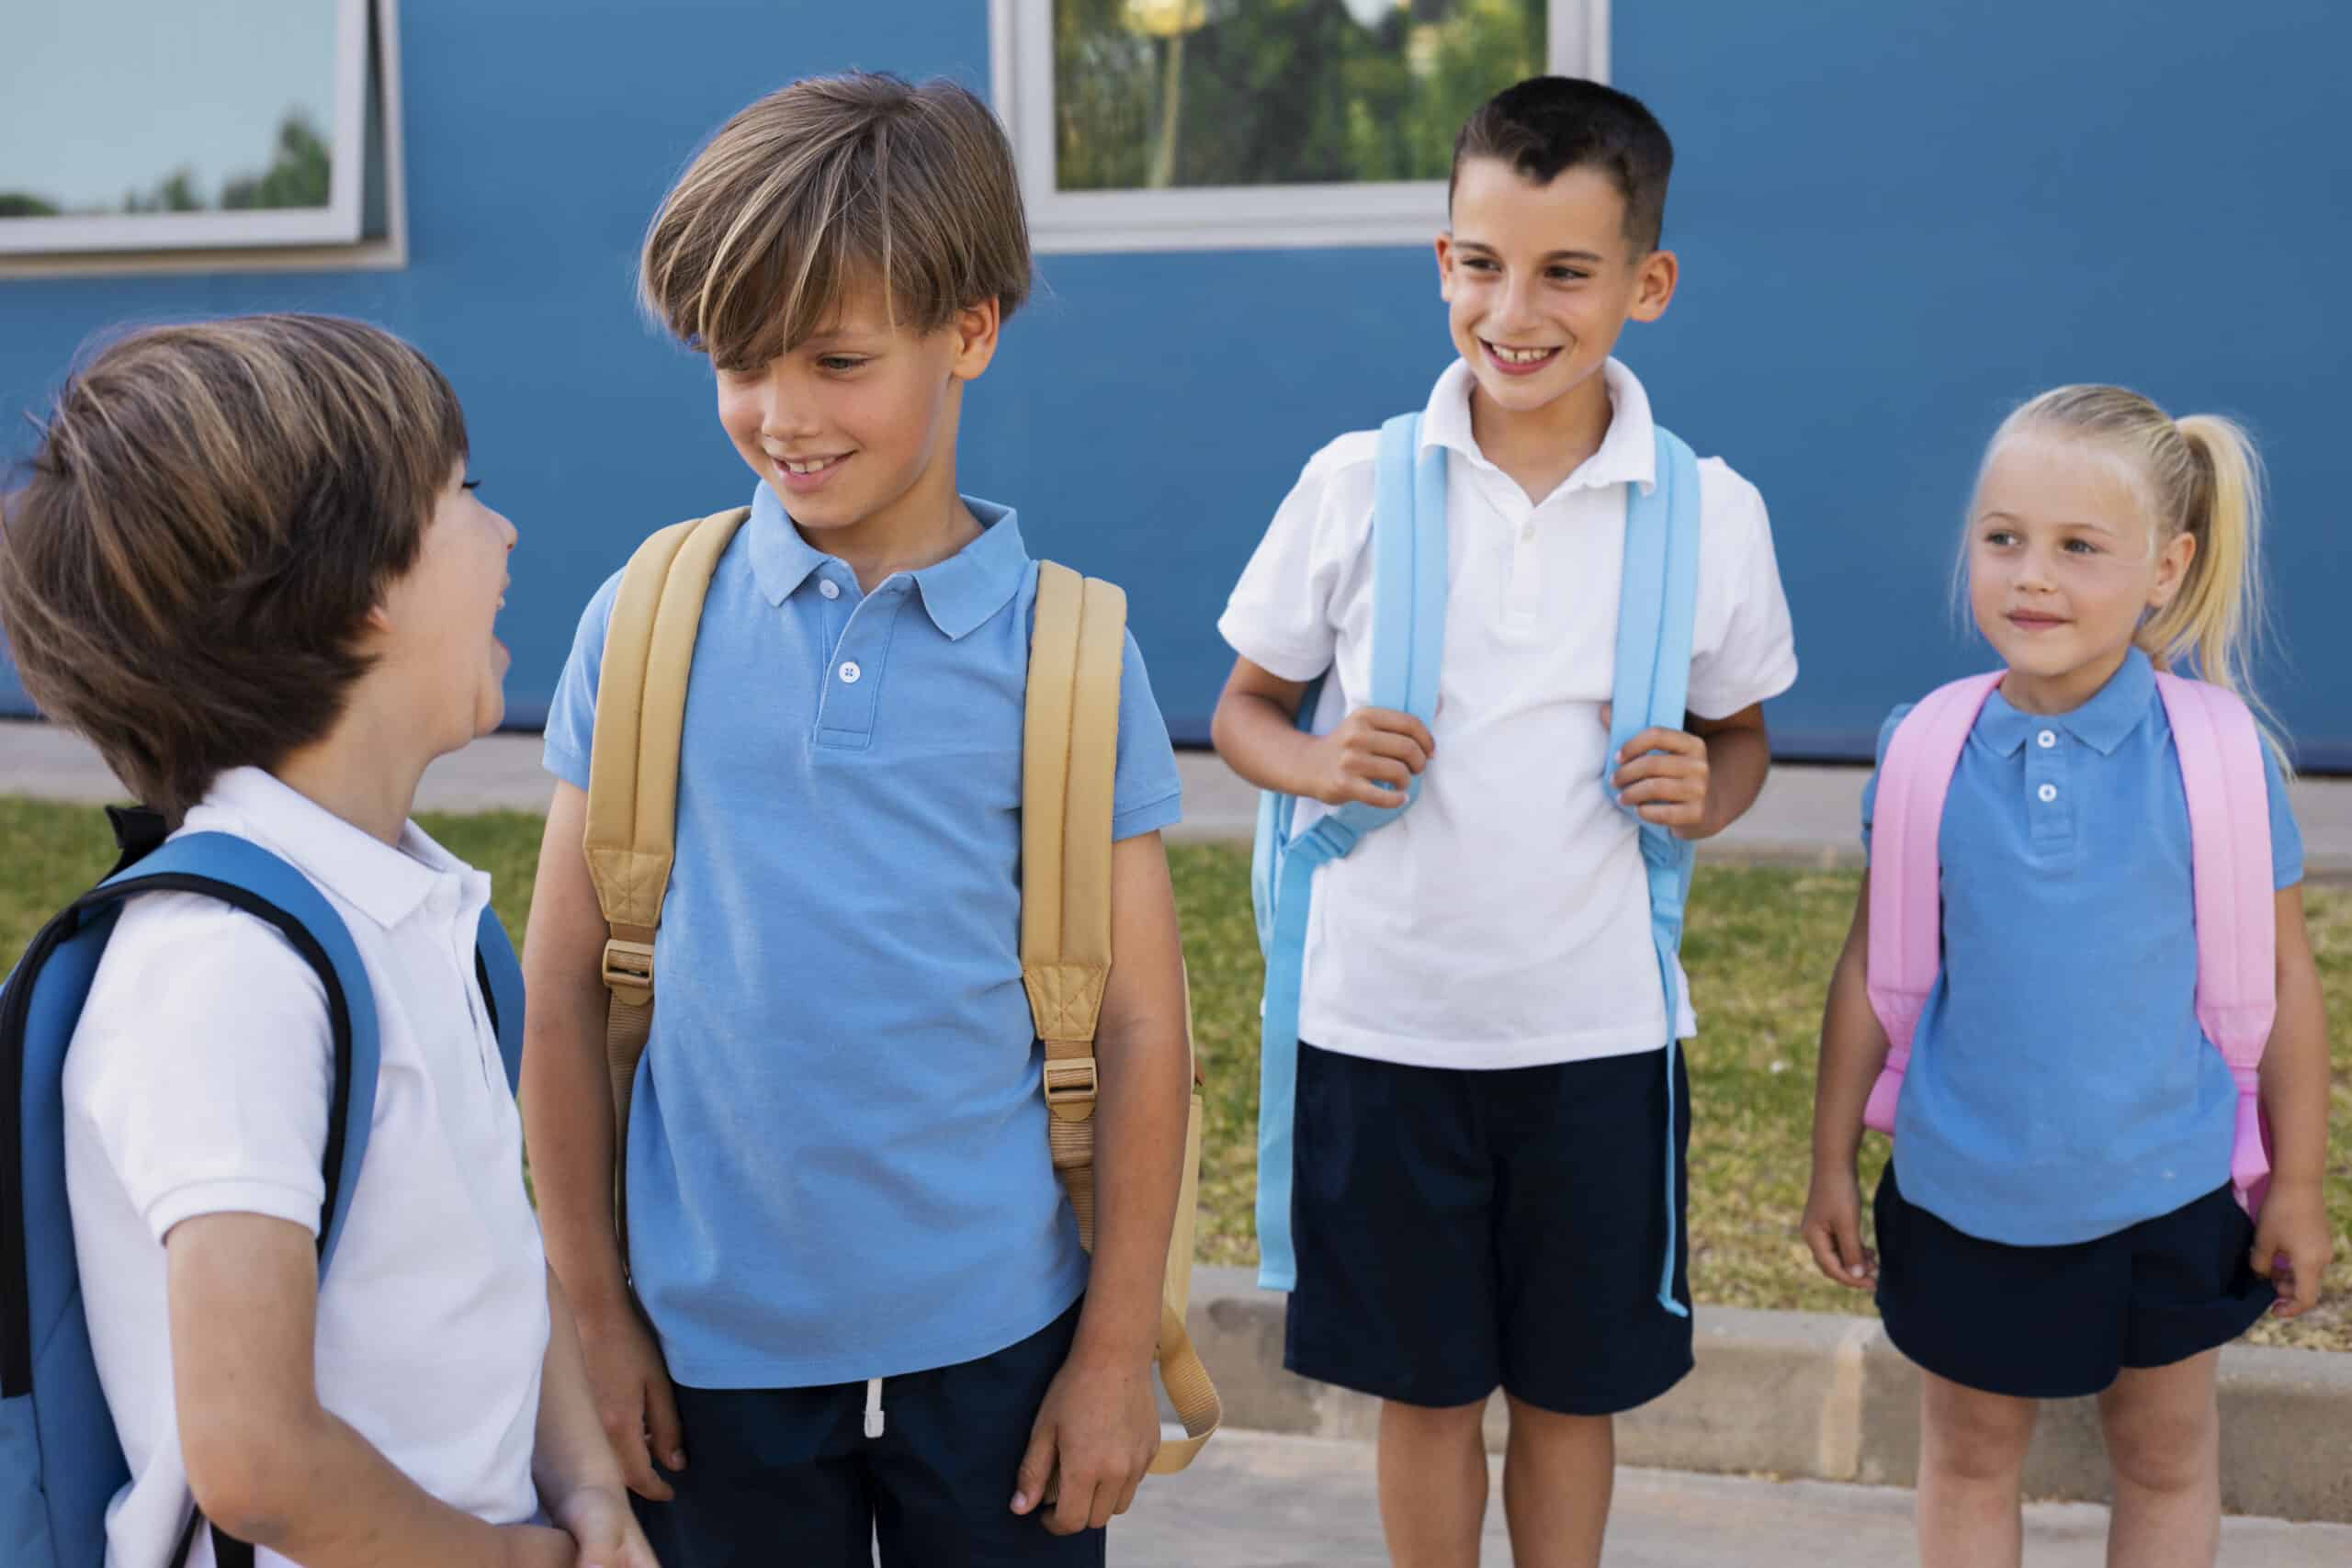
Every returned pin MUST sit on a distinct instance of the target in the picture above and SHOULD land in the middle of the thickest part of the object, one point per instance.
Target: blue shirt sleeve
(572, 716)
(2286, 839)
(1146, 794)
(1870, 790)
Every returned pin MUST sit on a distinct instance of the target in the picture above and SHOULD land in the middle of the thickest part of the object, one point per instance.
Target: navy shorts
(1460, 1230)
(2061, 1322)
(788, 1476)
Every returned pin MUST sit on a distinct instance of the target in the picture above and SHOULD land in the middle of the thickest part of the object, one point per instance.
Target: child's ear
(975, 327)
(1657, 274)
(2172, 568)
(1445, 266)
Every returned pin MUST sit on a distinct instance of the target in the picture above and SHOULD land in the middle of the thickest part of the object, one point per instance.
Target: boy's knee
(1977, 1437)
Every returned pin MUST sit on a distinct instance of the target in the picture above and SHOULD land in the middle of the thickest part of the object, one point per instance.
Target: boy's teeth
(810, 468)
(1519, 355)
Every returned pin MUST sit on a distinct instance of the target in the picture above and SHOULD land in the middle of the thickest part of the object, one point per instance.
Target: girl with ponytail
(2065, 1221)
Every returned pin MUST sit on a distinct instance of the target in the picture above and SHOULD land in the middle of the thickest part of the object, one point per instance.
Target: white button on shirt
(1504, 920)
(850, 673)
(2046, 739)
(828, 588)
(198, 1084)
(2046, 794)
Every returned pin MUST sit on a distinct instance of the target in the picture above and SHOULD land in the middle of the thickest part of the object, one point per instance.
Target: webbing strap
(1656, 610)
(1408, 584)
(630, 838)
(2220, 750)
(1906, 948)
(1070, 766)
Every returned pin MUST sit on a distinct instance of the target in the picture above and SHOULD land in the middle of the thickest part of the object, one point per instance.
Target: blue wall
(1894, 222)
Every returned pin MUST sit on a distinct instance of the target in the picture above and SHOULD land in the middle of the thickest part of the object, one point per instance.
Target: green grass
(1758, 948)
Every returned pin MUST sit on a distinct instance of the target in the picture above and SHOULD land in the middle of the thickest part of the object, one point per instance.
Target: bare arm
(2294, 1242)
(1371, 756)
(1099, 1423)
(568, 1126)
(579, 1480)
(1853, 1050)
(267, 1463)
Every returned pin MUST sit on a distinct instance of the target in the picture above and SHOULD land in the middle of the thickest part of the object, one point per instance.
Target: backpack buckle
(1070, 1087)
(629, 970)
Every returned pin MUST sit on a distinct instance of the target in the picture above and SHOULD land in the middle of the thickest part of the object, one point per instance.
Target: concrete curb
(1829, 1398)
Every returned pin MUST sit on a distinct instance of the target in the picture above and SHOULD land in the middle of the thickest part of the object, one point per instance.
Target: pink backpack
(2229, 833)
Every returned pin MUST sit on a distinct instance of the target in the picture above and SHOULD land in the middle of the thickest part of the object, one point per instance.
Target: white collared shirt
(197, 1083)
(1504, 920)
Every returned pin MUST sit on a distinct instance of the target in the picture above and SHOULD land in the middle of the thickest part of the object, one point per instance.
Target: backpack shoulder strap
(1408, 589)
(633, 772)
(1906, 948)
(1658, 607)
(1068, 762)
(501, 978)
(2220, 750)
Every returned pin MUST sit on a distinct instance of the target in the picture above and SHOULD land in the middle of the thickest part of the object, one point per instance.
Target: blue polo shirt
(837, 1164)
(2059, 1088)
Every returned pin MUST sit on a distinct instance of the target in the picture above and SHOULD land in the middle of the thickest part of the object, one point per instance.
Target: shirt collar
(958, 593)
(385, 883)
(2114, 711)
(1627, 454)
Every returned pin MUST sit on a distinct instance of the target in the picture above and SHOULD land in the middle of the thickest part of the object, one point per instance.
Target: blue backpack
(1657, 600)
(60, 1462)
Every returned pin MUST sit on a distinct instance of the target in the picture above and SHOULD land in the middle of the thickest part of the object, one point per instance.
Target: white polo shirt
(197, 1083)
(1504, 920)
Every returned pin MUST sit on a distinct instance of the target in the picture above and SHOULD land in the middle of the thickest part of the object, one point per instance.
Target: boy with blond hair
(853, 1306)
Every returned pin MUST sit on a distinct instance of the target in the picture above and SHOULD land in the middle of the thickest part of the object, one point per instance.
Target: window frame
(1382, 212)
(312, 239)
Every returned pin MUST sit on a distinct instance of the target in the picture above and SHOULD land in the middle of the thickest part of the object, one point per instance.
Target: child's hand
(599, 1520)
(2292, 1244)
(1662, 773)
(536, 1546)
(1833, 1229)
(634, 1401)
(1371, 756)
(1094, 1437)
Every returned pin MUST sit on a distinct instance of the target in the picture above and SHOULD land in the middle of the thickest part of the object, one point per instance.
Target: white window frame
(1020, 51)
(311, 239)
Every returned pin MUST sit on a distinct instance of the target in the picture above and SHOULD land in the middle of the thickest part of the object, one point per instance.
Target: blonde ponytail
(2200, 476)
(2214, 622)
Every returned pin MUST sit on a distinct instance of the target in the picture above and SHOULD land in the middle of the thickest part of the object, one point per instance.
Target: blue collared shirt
(2061, 1087)
(837, 1160)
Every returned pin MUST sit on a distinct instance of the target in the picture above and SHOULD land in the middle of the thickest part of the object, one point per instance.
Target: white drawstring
(874, 1407)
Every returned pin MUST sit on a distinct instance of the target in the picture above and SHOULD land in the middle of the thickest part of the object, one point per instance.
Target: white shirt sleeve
(203, 1064)
(1280, 616)
(1744, 650)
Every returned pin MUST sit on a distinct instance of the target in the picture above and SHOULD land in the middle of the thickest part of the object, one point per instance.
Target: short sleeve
(1279, 617)
(571, 716)
(1869, 791)
(1146, 794)
(203, 1064)
(2286, 838)
(1745, 650)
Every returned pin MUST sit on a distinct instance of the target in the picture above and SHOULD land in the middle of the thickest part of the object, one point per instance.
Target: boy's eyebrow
(1548, 256)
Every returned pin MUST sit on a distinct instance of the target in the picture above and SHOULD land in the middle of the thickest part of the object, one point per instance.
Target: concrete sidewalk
(1258, 1501)
(1807, 816)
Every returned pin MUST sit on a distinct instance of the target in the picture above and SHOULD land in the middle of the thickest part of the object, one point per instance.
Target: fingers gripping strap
(1905, 946)
(2220, 751)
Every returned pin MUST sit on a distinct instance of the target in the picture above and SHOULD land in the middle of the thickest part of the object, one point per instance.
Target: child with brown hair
(853, 1303)
(249, 567)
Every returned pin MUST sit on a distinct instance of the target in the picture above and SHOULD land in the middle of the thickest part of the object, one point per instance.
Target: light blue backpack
(60, 1462)
(1657, 602)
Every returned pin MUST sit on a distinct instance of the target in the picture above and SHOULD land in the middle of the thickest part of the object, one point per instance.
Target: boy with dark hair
(850, 1304)
(249, 567)
(1487, 1087)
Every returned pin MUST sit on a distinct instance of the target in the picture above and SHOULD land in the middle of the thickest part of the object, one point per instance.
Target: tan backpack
(1070, 757)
